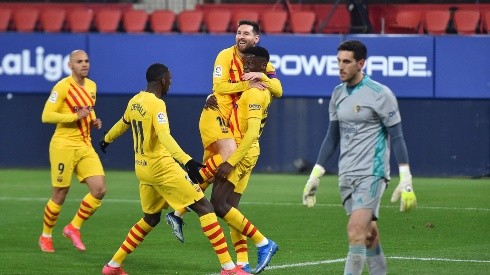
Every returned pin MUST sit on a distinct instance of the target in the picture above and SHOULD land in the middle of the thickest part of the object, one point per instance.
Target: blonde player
(71, 107)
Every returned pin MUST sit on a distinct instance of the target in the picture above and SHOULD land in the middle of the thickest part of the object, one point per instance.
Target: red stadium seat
(162, 21)
(25, 19)
(406, 21)
(273, 21)
(466, 21)
(134, 21)
(5, 15)
(242, 15)
(435, 21)
(485, 21)
(189, 21)
(301, 21)
(107, 20)
(79, 20)
(217, 21)
(52, 20)
(338, 22)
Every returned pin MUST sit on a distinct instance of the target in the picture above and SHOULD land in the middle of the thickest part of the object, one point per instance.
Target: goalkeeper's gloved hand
(103, 144)
(193, 167)
(405, 191)
(309, 192)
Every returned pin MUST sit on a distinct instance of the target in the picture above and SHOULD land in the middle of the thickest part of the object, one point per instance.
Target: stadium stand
(79, 20)
(25, 19)
(5, 15)
(238, 15)
(134, 21)
(217, 21)
(301, 21)
(190, 21)
(52, 20)
(466, 21)
(273, 21)
(435, 21)
(162, 21)
(332, 20)
(107, 20)
(485, 21)
(406, 21)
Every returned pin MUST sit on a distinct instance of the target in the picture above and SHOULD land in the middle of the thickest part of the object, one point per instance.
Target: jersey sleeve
(386, 107)
(117, 130)
(273, 83)
(54, 103)
(221, 75)
(332, 108)
(162, 130)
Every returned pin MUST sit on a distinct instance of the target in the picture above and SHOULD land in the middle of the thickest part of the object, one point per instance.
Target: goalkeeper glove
(193, 167)
(405, 191)
(103, 144)
(309, 192)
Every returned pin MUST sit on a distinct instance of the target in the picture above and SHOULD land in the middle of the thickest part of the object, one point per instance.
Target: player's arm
(221, 76)
(404, 188)
(119, 128)
(51, 109)
(330, 143)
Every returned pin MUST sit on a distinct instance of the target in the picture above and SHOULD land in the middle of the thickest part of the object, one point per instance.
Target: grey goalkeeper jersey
(363, 117)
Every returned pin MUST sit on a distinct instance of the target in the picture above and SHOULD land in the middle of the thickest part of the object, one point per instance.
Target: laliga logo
(391, 66)
(51, 66)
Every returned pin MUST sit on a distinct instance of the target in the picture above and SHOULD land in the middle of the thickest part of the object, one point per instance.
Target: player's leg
(61, 174)
(375, 258)
(151, 203)
(237, 238)
(89, 170)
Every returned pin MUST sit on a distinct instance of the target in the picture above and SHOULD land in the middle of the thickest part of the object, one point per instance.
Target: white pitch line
(388, 257)
(257, 203)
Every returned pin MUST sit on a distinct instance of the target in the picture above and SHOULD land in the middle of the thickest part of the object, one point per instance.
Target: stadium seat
(406, 21)
(107, 20)
(466, 21)
(301, 21)
(338, 22)
(5, 15)
(134, 21)
(162, 21)
(241, 15)
(435, 21)
(79, 20)
(52, 20)
(189, 21)
(217, 21)
(25, 19)
(485, 21)
(273, 21)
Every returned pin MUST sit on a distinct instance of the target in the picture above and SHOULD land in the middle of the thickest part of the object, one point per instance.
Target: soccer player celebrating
(364, 118)
(71, 107)
(161, 179)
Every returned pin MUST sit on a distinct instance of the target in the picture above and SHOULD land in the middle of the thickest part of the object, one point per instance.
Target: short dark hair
(258, 51)
(156, 72)
(255, 25)
(357, 47)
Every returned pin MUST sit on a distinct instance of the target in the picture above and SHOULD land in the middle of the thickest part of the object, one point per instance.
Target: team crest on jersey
(53, 96)
(357, 108)
(161, 118)
(218, 71)
(59, 179)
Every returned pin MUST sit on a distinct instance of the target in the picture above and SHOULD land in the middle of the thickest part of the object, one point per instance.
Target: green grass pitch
(447, 234)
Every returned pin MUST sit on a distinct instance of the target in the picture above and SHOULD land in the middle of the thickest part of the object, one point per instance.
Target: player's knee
(152, 219)
(219, 207)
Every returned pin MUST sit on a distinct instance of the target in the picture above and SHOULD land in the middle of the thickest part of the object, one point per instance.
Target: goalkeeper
(364, 119)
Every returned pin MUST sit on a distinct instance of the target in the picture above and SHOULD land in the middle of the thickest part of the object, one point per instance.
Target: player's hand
(224, 169)
(309, 192)
(211, 103)
(97, 123)
(103, 144)
(252, 76)
(83, 113)
(257, 84)
(405, 191)
(192, 167)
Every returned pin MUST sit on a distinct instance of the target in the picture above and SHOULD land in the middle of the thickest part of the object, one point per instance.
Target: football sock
(240, 243)
(236, 219)
(356, 258)
(214, 232)
(51, 212)
(212, 164)
(135, 236)
(376, 260)
(87, 208)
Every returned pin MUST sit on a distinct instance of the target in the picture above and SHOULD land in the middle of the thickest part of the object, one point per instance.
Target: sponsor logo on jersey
(53, 97)
(161, 118)
(254, 107)
(218, 71)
